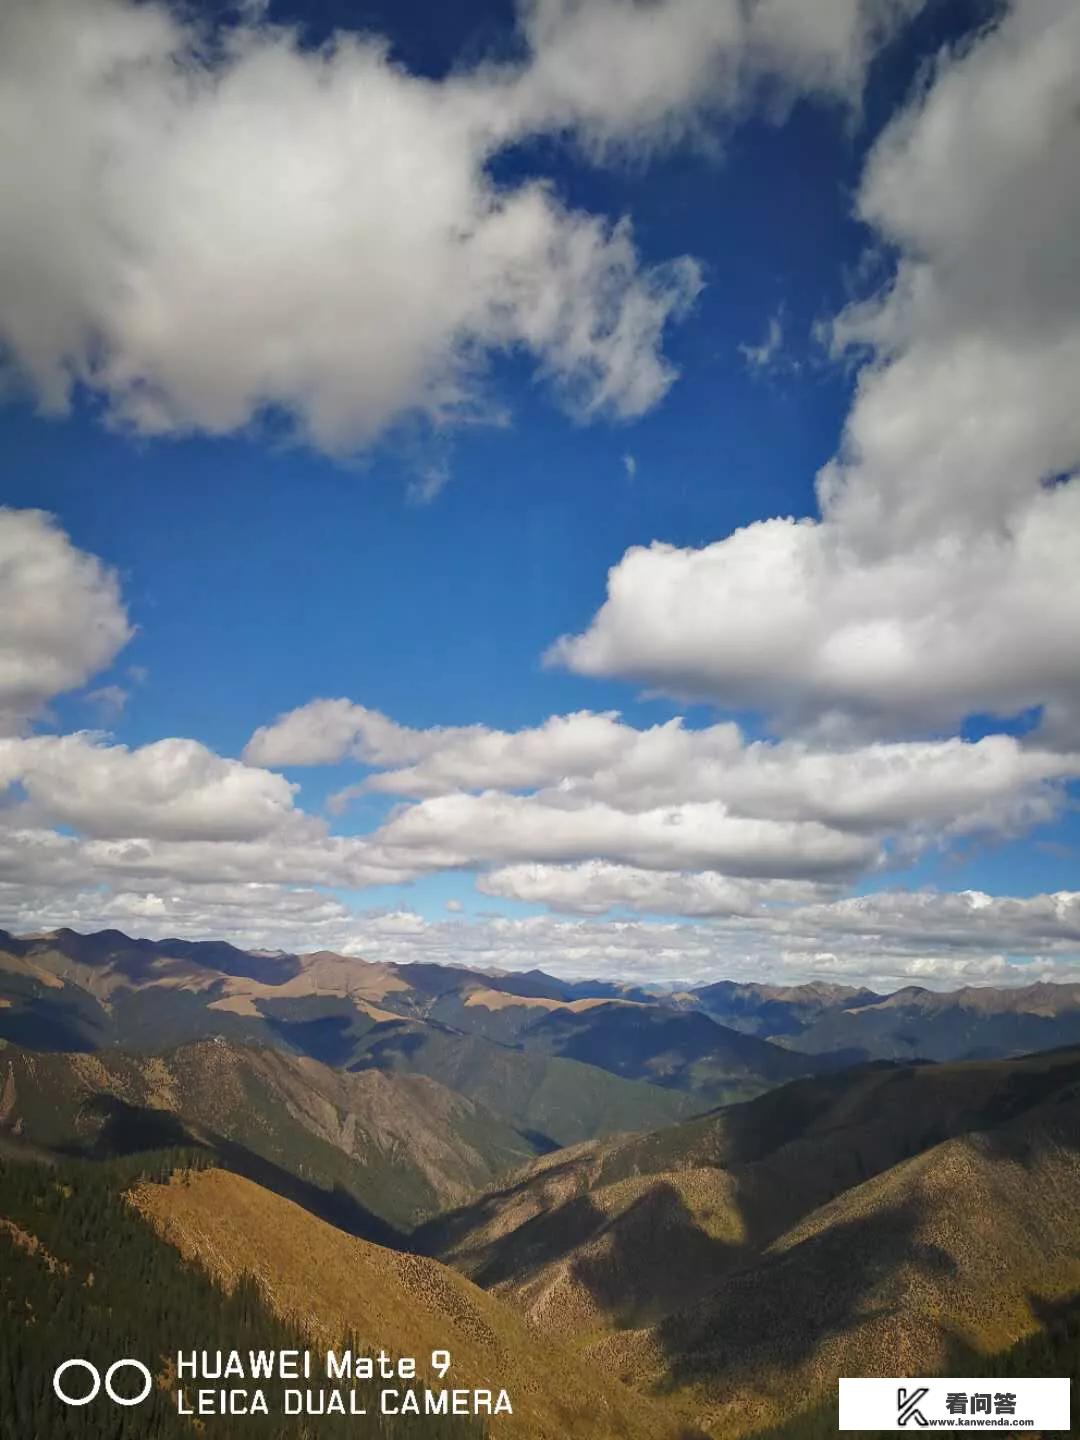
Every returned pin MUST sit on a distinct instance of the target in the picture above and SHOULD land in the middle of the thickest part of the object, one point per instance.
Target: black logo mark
(907, 1402)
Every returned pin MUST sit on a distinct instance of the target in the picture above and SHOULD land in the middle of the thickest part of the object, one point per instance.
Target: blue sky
(262, 569)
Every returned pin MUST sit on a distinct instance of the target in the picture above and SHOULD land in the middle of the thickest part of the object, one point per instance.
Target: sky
(576, 483)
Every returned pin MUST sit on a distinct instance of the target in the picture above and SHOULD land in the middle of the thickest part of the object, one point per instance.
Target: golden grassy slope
(334, 1285)
(650, 1243)
(566, 1240)
(506, 999)
(968, 1242)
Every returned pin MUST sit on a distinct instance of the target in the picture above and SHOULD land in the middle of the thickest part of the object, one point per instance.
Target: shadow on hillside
(327, 1038)
(781, 1310)
(544, 1238)
(1057, 1316)
(1055, 1350)
(133, 1129)
(48, 1025)
(395, 1040)
(337, 1206)
(776, 1312)
(139, 960)
(653, 1255)
(781, 1174)
(656, 1257)
(542, 1144)
(437, 1236)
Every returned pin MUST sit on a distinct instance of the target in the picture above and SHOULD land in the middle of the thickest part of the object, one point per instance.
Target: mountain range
(676, 1213)
(69, 991)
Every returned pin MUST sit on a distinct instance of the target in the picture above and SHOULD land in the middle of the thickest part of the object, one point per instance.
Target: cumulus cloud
(782, 616)
(219, 224)
(170, 790)
(665, 820)
(956, 786)
(468, 830)
(215, 225)
(749, 840)
(644, 73)
(480, 757)
(441, 758)
(928, 937)
(301, 854)
(962, 920)
(595, 886)
(943, 577)
(323, 732)
(319, 733)
(63, 618)
(582, 813)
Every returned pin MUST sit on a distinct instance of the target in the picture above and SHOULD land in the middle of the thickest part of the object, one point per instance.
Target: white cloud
(469, 830)
(212, 227)
(209, 226)
(442, 758)
(665, 820)
(782, 617)
(906, 922)
(583, 812)
(943, 577)
(170, 790)
(625, 72)
(301, 854)
(319, 733)
(942, 786)
(62, 616)
(953, 786)
(477, 757)
(594, 887)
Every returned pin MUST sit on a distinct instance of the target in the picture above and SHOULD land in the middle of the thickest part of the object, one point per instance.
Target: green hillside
(368, 1150)
(552, 1101)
